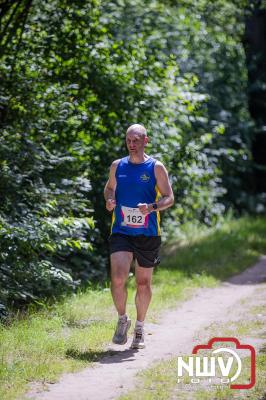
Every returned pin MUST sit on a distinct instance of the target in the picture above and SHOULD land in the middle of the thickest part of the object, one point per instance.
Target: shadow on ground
(103, 357)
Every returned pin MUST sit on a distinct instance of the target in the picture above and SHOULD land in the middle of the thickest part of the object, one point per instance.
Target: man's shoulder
(158, 165)
(113, 167)
(116, 162)
(159, 169)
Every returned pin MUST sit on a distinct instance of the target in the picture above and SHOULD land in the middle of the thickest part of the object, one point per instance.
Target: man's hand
(110, 204)
(144, 208)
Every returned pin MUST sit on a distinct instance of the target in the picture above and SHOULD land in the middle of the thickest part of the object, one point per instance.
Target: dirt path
(175, 334)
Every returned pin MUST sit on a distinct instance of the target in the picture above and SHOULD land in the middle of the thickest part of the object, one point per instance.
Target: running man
(137, 189)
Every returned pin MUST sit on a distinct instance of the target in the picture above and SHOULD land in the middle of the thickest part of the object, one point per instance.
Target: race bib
(133, 218)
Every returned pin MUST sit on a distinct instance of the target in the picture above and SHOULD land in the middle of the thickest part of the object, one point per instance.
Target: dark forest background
(74, 75)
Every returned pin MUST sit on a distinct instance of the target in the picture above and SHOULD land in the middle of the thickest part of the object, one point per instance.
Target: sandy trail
(175, 334)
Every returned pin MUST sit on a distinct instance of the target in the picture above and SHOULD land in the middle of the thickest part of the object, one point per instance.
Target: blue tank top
(136, 183)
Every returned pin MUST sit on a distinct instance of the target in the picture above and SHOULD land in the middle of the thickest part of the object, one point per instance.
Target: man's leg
(120, 266)
(143, 298)
(144, 293)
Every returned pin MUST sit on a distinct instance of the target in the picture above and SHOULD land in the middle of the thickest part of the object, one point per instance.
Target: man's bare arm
(109, 189)
(164, 186)
(165, 189)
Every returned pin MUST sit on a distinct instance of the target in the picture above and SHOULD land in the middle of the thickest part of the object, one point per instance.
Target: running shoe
(138, 339)
(120, 336)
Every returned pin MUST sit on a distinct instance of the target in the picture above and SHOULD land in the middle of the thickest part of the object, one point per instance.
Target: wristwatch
(154, 206)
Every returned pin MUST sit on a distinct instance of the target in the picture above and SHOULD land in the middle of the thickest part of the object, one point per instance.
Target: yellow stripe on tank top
(113, 221)
(158, 195)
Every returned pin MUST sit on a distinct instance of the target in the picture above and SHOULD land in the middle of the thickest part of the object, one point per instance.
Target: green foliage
(211, 130)
(43, 220)
(74, 76)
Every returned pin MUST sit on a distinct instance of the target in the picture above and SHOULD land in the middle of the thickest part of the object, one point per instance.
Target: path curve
(175, 334)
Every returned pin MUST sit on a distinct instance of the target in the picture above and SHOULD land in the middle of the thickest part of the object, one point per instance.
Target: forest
(74, 75)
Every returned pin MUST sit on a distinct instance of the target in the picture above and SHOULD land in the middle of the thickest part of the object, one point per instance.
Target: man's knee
(143, 283)
(118, 280)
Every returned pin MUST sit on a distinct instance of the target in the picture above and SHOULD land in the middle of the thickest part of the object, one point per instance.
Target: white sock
(139, 324)
(122, 317)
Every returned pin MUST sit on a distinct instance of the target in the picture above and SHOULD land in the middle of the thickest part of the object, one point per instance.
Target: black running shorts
(145, 249)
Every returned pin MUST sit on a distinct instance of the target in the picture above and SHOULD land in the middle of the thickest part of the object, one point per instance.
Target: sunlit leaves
(85, 71)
